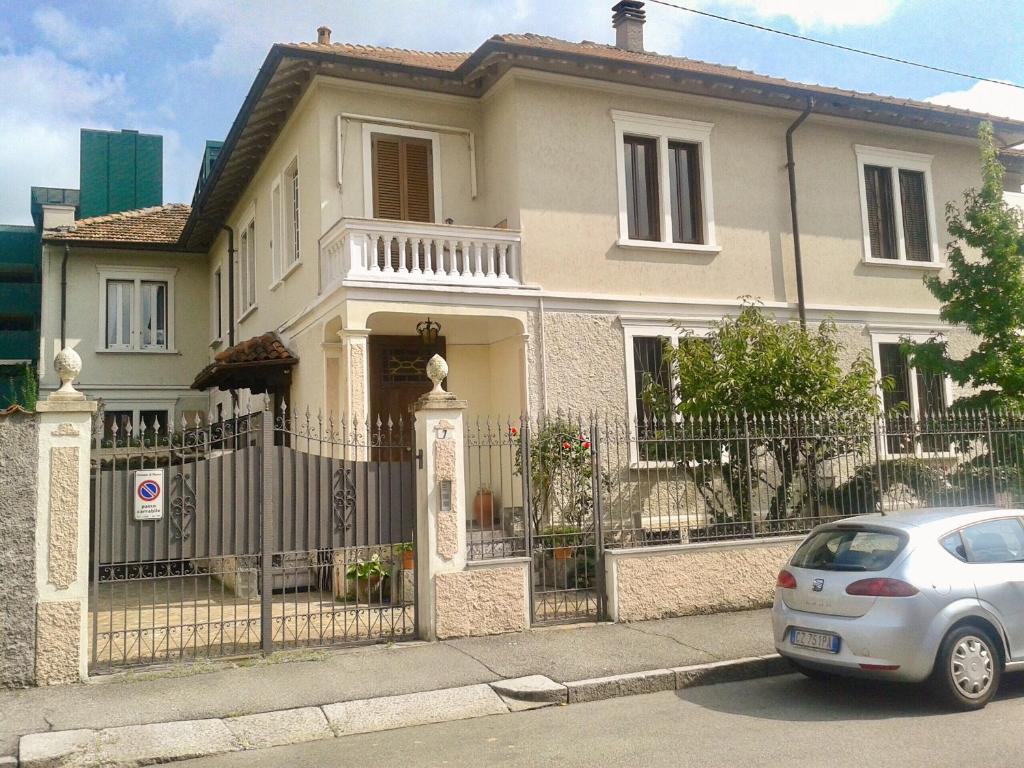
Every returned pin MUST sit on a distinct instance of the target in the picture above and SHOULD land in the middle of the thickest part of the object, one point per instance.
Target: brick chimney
(628, 20)
(323, 35)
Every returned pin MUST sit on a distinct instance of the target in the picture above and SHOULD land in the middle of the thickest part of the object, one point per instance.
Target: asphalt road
(782, 721)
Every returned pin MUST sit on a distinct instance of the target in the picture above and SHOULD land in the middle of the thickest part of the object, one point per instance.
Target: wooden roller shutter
(402, 179)
(387, 178)
(881, 212)
(915, 216)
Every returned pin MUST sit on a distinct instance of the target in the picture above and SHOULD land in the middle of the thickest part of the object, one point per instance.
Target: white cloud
(809, 14)
(45, 102)
(992, 98)
(75, 41)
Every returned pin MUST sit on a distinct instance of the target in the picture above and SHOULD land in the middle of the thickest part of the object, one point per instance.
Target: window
(665, 198)
(849, 549)
(285, 243)
(218, 305)
(647, 362)
(402, 178)
(135, 425)
(896, 207)
(915, 396)
(994, 541)
(247, 269)
(137, 309)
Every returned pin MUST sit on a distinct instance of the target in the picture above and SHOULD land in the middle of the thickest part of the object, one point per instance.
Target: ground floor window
(141, 425)
(914, 399)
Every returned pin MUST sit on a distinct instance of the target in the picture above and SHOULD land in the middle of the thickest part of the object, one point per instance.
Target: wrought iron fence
(746, 476)
(739, 476)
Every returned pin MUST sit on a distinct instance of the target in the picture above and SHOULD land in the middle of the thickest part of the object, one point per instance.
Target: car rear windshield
(849, 549)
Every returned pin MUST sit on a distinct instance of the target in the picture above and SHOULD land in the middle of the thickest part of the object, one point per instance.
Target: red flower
(586, 445)
(566, 445)
(513, 431)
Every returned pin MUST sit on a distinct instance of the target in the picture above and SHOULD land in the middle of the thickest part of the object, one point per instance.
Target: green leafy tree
(984, 292)
(744, 397)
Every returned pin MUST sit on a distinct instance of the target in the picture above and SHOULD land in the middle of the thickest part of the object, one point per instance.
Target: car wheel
(809, 672)
(967, 669)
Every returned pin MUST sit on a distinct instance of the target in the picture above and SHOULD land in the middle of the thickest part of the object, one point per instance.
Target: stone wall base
(58, 642)
(658, 582)
(488, 598)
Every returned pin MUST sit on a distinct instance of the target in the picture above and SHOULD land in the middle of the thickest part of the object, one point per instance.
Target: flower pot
(563, 553)
(368, 589)
(408, 560)
(483, 508)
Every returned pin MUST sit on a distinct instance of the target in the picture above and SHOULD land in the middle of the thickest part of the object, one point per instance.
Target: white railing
(417, 252)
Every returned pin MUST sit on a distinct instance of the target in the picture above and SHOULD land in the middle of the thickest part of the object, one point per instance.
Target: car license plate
(818, 641)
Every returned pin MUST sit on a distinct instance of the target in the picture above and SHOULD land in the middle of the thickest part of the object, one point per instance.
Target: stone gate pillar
(440, 493)
(62, 529)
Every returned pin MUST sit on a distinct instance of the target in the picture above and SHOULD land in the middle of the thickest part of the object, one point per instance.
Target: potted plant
(562, 540)
(408, 556)
(367, 575)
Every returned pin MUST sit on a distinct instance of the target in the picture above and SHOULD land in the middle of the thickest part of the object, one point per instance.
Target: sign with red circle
(149, 503)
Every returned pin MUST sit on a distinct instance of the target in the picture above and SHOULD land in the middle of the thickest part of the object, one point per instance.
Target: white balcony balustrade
(418, 252)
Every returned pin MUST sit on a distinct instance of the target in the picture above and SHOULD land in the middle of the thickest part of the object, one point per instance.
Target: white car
(929, 594)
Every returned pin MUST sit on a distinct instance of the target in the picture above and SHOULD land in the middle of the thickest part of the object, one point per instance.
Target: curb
(140, 745)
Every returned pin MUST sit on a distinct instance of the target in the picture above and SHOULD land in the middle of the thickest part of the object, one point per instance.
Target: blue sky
(181, 68)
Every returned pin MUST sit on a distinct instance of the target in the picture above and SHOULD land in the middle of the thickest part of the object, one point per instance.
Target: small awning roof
(260, 364)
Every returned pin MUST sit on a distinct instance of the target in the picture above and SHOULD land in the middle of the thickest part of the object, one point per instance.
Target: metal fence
(259, 533)
(721, 478)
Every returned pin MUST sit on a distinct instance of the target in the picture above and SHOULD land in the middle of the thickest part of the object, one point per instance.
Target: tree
(756, 403)
(984, 292)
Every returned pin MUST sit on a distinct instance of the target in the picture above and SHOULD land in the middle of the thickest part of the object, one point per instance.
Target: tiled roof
(445, 61)
(159, 225)
(255, 350)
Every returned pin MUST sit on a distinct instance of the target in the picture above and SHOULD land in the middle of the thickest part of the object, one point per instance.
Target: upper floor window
(218, 305)
(402, 177)
(285, 242)
(663, 167)
(247, 268)
(896, 206)
(137, 308)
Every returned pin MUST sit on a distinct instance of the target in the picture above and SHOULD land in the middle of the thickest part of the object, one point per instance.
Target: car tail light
(881, 588)
(786, 580)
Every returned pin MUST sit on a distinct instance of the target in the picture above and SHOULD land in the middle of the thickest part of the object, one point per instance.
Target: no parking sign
(149, 494)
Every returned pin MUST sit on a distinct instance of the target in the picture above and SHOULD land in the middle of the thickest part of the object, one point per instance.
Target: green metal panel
(149, 171)
(20, 299)
(19, 345)
(93, 179)
(121, 172)
(19, 249)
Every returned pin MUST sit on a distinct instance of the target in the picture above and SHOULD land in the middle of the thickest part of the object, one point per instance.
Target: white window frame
(394, 130)
(285, 242)
(217, 307)
(640, 328)
(947, 387)
(664, 130)
(137, 275)
(898, 160)
(246, 257)
(136, 407)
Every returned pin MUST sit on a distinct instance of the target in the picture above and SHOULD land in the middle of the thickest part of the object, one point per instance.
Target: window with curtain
(247, 268)
(120, 307)
(154, 314)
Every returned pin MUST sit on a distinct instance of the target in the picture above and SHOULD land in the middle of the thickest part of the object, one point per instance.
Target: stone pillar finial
(68, 365)
(437, 371)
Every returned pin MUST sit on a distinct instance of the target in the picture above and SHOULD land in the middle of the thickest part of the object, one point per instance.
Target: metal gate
(249, 534)
(562, 473)
(536, 490)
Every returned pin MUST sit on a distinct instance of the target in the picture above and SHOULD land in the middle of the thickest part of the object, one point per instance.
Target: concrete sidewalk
(315, 678)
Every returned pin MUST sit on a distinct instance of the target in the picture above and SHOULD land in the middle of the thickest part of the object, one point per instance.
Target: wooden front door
(398, 375)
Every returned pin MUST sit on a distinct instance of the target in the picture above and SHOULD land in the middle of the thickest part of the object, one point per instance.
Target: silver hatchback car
(930, 594)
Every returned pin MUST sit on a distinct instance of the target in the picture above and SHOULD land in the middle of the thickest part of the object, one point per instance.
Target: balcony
(419, 253)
